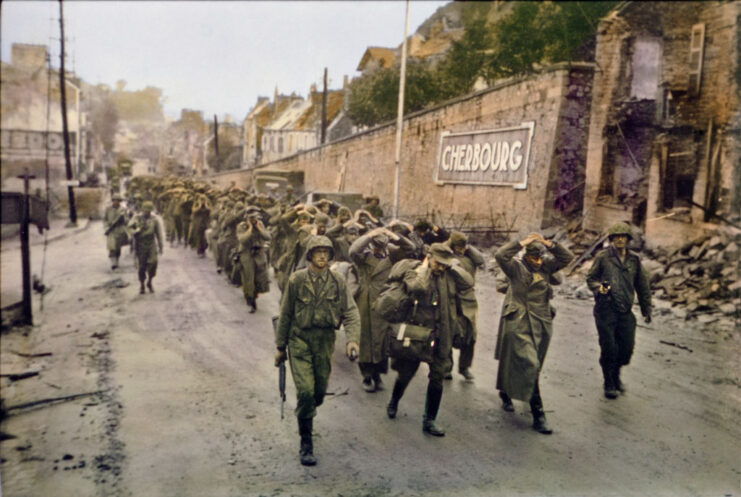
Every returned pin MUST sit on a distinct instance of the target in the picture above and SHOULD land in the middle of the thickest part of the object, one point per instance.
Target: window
(646, 68)
(679, 170)
(697, 44)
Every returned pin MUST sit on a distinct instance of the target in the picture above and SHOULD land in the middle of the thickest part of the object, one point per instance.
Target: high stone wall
(557, 102)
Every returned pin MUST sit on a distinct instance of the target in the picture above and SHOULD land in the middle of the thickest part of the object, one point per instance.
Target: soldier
(315, 301)
(470, 259)
(436, 285)
(373, 264)
(373, 207)
(147, 232)
(253, 259)
(114, 222)
(615, 277)
(526, 325)
(199, 218)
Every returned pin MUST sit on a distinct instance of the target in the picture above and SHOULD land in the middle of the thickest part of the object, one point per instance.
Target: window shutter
(697, 44)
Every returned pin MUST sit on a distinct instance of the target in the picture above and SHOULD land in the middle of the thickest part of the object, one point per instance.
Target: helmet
(319, 241)
(147, 206)
(458, 239)
(620, 229)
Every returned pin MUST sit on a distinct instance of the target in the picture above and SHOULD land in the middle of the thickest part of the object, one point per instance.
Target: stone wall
(556, 100)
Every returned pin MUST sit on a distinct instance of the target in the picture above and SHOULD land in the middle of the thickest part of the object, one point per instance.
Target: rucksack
(394, 303)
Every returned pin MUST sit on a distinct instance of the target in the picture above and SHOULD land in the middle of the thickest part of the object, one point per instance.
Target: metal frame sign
(497, 157)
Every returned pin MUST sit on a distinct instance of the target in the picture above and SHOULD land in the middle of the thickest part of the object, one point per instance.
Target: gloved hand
(352, 350)
(280, 356)
(647, 318)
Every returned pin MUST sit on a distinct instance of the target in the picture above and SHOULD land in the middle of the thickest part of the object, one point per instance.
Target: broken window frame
(696, 54)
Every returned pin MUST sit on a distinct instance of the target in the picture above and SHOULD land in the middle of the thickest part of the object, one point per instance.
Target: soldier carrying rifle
(114, 222)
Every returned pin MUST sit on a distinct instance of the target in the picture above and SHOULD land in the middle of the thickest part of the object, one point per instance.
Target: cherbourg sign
(492, 157)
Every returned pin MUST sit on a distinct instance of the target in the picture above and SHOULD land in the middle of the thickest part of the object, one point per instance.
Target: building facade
(664, 135)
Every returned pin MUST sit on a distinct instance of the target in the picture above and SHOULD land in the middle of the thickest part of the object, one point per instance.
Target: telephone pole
(324, 109)
(65, 130)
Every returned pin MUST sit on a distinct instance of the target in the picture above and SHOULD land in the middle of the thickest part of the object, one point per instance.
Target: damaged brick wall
(650, 155)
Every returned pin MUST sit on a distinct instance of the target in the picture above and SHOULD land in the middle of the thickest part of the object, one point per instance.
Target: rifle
(114, 223)
(282, 386)
(281, 373)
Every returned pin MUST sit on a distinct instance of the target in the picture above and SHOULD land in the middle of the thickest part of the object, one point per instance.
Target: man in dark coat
(615, 277)
(435, 284)
(526, 324)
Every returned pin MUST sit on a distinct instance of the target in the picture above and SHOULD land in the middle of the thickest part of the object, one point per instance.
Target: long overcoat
(253, 259)
(372, 276)
(115, 219)
(526, 323)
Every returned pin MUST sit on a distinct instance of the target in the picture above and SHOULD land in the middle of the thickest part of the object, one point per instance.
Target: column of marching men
(379, 279)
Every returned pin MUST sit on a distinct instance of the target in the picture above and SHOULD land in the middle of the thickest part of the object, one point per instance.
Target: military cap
(380, 240)
(458, 239)
(422, 224)
(442, 254)
(353, 229)
(147, 206)
(116, 196)
(322, 219)
(536, 249)
(252, 211)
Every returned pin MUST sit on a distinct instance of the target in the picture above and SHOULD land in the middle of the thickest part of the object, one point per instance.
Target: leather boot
(539, 422)
(305, 428)
(432, 405)
(393, 406)
(506, 401)
(618, 383)
(114, 262)
(149, 285)
(611, 391)
(141, 288)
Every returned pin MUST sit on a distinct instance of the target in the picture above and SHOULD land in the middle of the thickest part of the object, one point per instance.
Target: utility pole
(324, 109)
(400, 113)
(27, 313)
(65, 131)
(216, 141)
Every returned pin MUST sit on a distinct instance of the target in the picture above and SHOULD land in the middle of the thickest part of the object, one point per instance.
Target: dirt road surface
(183, 400)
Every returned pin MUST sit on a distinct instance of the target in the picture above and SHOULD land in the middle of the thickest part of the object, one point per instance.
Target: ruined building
(663, 148)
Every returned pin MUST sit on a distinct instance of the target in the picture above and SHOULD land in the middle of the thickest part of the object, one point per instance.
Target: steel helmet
(319, 241)
(620, 229)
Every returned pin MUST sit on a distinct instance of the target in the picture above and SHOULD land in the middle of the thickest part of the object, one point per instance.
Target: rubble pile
(702, 275)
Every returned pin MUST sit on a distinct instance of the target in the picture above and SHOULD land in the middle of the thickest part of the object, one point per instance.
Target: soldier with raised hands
(526, 323)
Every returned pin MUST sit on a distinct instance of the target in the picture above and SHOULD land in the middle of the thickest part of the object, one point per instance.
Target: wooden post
(65, 131)
(216, 141)
(324, 109)
(26, 310)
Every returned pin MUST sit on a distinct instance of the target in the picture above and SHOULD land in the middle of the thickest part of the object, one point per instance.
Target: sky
(216, 57)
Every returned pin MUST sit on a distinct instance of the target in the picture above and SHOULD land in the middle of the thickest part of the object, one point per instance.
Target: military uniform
(313, 306)
(526, 325)
(437, 303)
(253, 260)
(147, 232)
(613, 313)
(470, 260)
(114, 222)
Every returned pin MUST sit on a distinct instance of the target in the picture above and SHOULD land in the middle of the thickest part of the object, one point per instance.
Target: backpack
(394, 303)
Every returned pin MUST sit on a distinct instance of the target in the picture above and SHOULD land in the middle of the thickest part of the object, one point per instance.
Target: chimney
(312, 89)
(275, 101)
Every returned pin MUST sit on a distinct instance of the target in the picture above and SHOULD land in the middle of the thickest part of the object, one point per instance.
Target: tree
(374, 97)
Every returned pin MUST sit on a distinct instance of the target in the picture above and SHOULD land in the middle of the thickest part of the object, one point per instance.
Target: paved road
(191, 404)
